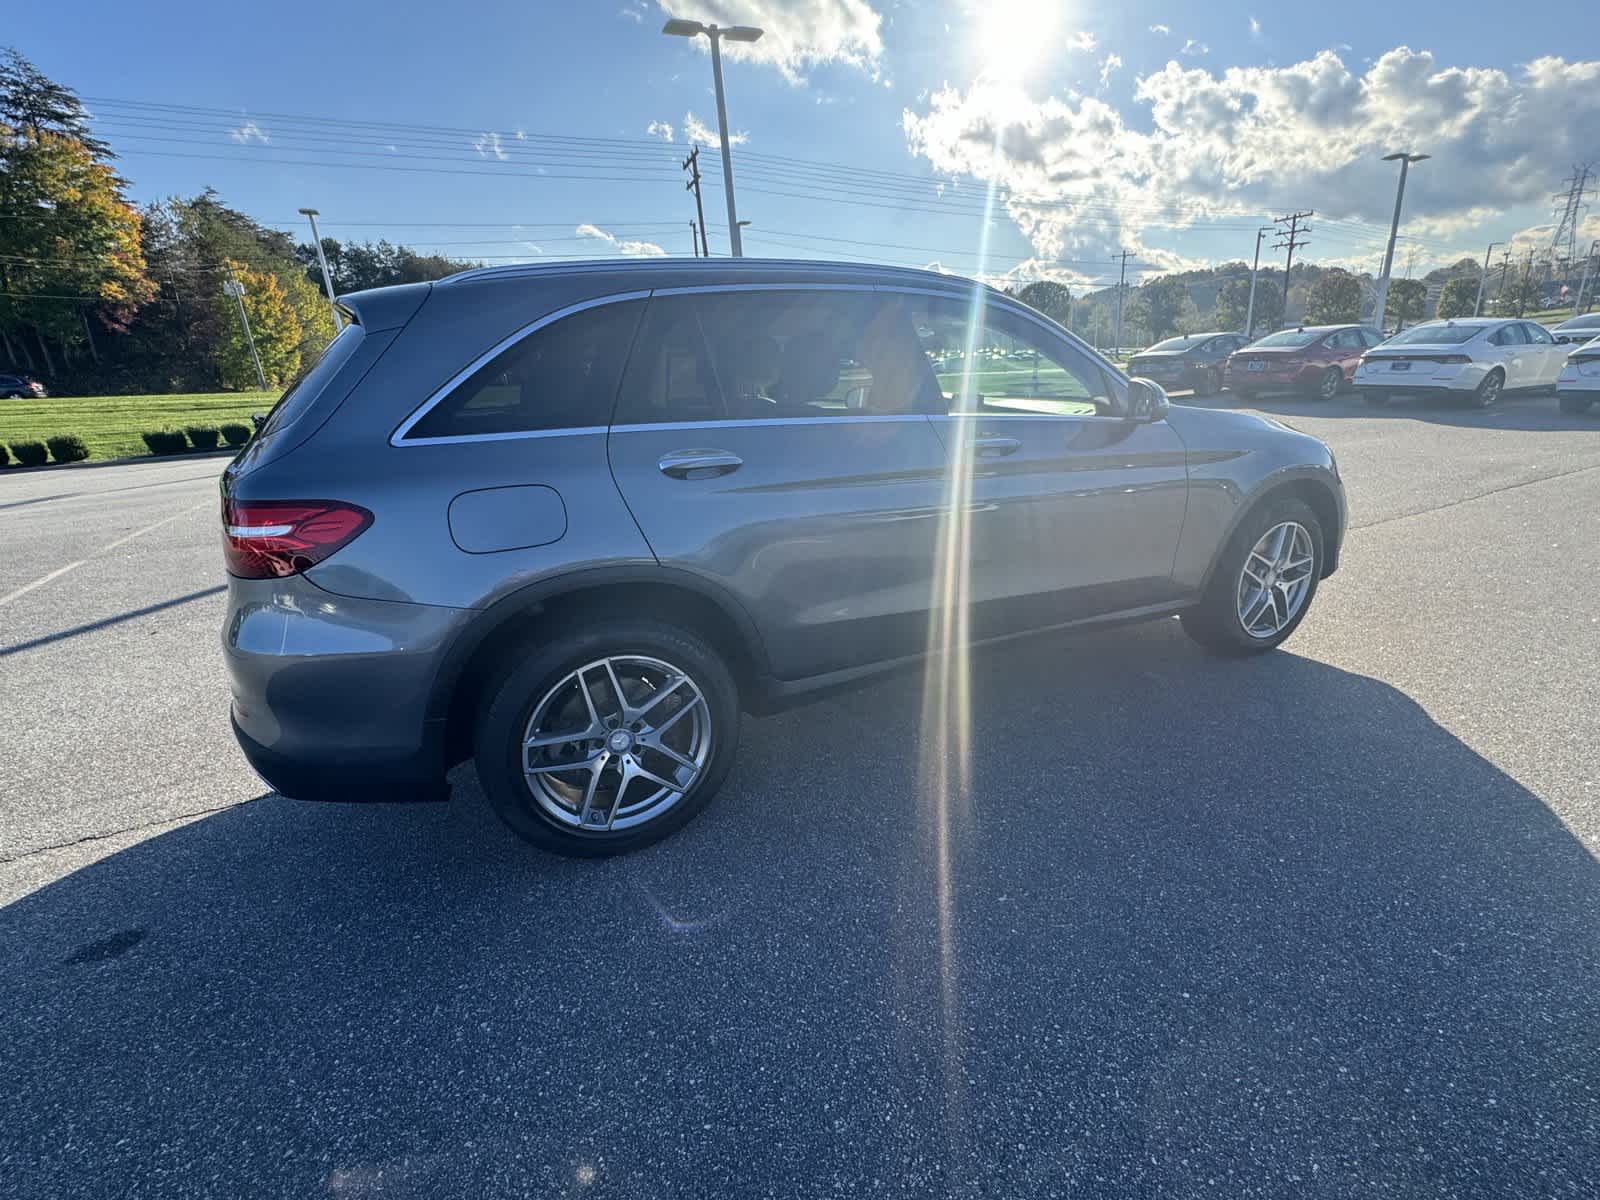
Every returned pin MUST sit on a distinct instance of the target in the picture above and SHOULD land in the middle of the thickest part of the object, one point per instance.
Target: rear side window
(562, 376)
(312, 379)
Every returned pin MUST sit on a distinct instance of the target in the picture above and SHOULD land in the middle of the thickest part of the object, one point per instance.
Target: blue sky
(875, 129)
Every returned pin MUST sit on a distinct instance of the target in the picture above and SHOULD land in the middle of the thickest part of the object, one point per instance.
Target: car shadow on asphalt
(1259, 922)
(1531, 413)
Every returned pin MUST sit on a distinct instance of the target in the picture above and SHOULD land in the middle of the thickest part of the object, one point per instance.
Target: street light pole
(1250, 316)
(236, 289)
(311, 215)
(1483, 279)
(734, 33)
(1382, 299)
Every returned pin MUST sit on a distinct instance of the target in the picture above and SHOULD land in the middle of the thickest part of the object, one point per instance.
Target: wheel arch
(660, 592)
(1310, 489)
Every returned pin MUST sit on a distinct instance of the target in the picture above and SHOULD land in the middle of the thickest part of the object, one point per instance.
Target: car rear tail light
(269, 539)
(1457, 359)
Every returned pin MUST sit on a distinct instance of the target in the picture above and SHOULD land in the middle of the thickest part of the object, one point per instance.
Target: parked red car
(1315, 360)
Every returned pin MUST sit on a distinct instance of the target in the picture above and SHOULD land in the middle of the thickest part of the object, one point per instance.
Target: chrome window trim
(398, 437)
(959, 292)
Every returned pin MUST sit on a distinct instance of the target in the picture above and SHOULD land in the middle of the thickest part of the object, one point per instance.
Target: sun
(1016, 36)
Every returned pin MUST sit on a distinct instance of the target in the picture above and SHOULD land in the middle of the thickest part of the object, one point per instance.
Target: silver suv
(569, 521)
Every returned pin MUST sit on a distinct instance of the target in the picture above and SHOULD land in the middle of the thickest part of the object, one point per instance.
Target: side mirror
(1147, 401)
(258, 420)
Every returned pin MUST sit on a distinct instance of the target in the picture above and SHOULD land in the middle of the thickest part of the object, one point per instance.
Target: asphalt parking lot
(1325, 923)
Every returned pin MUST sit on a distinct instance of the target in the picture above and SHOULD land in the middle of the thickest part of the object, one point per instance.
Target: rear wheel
(1489, 388)
(1263, 582)
(608, 738)
(1575, 404)
(1328, 384)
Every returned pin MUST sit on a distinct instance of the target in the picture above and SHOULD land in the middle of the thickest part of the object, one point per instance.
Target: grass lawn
(110, 425)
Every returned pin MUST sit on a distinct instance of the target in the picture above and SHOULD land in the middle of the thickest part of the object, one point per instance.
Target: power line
(1289, 239)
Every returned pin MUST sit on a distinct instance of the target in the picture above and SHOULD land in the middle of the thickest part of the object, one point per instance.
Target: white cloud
(489, 143)
(1255, 27)
(1083, 40)
(660, 129)
(249, 132)
(696, 130)
(633, 15)
(391, 148)
(622, 246)
(1194, 49)
(1159, 29)
(799, 34)
(1251, 141)
(1111, 63)
(522, 135)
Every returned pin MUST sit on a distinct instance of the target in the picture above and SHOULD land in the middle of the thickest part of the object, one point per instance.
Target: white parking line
(121, 541)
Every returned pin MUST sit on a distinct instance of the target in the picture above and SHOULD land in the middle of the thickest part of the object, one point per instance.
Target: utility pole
(1522, 292)
(1406, 158)
(694, 239)
(1122, 283)
(1477, 305)
(1566, 235)
(1250, 316)
(1290, 239)
(1588, 261)
(1505, 270)
(692, 165)
(311, 215)
(236, 289)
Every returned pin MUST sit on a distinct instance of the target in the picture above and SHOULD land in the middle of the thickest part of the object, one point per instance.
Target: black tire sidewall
(1480, 394)
(1215, 622)
(508, 704)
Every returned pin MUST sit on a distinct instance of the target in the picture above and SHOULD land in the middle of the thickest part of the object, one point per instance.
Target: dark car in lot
(1316, 360)
(1193, 360)
(569, 520)
(20, 387)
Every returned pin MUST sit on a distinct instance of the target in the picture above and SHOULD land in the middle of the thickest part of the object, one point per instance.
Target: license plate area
(1256, 366)
(1399, 366)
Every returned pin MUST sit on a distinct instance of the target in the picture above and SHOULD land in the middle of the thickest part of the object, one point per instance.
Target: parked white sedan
(1475, 359)
(1579, 383)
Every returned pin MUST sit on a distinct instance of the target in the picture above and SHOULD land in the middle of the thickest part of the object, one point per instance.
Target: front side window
(1509, 335)
(989, 359)
(562, 376)
(1538, 334)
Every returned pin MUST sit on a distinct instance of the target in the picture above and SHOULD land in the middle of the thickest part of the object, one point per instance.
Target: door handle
(699, 464)
(996, 444)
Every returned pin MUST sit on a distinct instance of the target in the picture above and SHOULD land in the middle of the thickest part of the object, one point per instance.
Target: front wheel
(1488, 390)
(1263, 582)
(607, 738)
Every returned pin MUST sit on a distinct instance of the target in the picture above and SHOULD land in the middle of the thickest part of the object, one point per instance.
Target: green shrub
(30, 454)
(165, 441)
(204, 437)
(67, 447)
(5, 457)
(236, 433)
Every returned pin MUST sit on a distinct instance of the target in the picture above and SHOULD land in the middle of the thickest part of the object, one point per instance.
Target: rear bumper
(1435, 390)
(1259, 381)
(330, 693)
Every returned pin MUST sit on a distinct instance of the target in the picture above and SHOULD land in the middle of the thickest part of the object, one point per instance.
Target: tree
(358, 266)
(1408, 298)
(1050, 298)
(1458, 297)
(274, 326)
(1334, 299)
(33, 103)
(1233, 304)
(1157, 307)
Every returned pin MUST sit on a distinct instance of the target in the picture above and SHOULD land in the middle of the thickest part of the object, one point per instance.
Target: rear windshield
(1177, 343)
(1587, 321)
(1289, 337)
(313, 377)
(1435, 335)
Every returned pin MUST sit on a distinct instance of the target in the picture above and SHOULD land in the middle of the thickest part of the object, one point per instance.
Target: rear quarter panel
(1236, 458)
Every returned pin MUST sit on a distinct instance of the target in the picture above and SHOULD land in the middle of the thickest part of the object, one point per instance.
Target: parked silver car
(571, 520)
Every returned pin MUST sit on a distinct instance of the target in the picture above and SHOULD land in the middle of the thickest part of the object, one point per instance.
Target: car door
(1073, 511)
(1510, 350)
(1347, 346)
(1543, 346)
(771, 443)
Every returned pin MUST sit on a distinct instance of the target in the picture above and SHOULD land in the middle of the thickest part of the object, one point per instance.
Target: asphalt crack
(1506, 487)
(115, 833)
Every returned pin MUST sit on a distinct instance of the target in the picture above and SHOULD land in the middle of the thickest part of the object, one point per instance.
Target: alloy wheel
(616, 743)
(1275, 579)
(1489, 389)
(1329, 387)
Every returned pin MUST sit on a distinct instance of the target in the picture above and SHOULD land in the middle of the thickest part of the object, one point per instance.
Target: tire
(1488, 390)
(544, 808)
(1216, 622)
(1573, 405)
(1327, 384)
